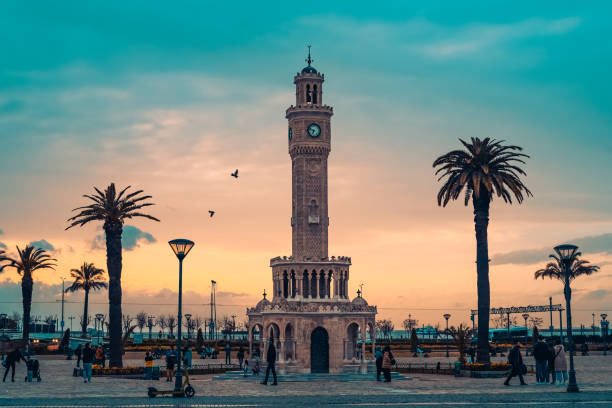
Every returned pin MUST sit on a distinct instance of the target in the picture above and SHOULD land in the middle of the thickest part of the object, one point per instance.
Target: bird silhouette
(235, 174)
(211, 212)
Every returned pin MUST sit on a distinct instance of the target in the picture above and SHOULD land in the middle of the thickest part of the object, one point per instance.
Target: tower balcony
(309, 108)
(290, 260)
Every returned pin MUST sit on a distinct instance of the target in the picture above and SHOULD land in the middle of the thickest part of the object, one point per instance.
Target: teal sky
(129, 91)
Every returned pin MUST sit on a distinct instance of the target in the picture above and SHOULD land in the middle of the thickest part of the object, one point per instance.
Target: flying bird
(211, 212)
(235, 174)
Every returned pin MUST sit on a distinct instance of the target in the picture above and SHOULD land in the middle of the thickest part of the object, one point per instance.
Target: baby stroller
(33, 367)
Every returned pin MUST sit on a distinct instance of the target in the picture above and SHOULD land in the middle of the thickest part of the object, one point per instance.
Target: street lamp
(188, 317)
(566, 254)
(593, 326)
(99, 317)
(604, 332)
(181, 248)
(150, 323)
(447, 316)
(526, 316)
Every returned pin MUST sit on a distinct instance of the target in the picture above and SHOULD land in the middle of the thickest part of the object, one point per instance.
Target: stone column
(299, 282)
(324, 275)
(364, 364)
(346, 295)
(335, 275)
(314, 289)
(251, 342)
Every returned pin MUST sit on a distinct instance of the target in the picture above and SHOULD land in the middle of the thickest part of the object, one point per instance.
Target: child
(30, 368)
(256, 368)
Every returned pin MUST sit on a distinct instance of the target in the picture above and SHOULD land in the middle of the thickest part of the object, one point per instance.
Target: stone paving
(59, 388)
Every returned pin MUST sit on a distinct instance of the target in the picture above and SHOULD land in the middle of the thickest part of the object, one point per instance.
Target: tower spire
(309, 60)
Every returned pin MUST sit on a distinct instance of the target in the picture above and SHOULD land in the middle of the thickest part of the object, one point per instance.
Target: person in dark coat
(78, 352)
(12, 358)
(271, 360)
(540, 353)
(89, 355)
(516, 361)
(378, 354)
(228, 353)
(240, 356)
(551, 363)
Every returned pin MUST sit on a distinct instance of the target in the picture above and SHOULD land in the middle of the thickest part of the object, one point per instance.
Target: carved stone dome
(359, 301)
(262, 304)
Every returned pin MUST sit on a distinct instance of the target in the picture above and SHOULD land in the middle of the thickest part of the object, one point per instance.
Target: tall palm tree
(29, 260)
(86, 278)
(484, 169)
(113, 209)
(578, 267)
(4, 259)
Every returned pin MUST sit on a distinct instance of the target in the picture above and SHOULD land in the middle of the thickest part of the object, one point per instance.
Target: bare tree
(141, 321)
(228, 325)
(171, 321)
(162, 323)
(127, 323)
(536, 322)
(385, 327)
(409, 324)
(198, 321)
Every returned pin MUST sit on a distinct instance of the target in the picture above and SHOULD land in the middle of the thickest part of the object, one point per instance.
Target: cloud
(592, 245)
(43, 244)
(477, 38)
(132, 238)
(596, 294)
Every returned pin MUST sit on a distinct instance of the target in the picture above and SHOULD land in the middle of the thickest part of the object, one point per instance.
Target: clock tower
(309, 137)
(311, 319)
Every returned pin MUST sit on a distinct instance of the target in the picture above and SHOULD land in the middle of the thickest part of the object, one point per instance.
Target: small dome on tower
(262, 303)
(359, 301)
(309, 70)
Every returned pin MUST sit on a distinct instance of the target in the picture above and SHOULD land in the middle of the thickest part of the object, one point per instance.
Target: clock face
(290, 134)
(314, 130)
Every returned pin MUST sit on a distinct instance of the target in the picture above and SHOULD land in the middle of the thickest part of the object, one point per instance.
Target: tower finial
(309, 60)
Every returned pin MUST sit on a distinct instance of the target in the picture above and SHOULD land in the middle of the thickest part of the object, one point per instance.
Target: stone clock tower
(311, 319)
(309, 146)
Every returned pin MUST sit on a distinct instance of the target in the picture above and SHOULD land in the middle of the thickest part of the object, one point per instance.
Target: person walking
(271, 360)
(240, 356)
(551, 363)
(12, 358)
(78, 352)
(170, 362)
(188, 357)
(516, 361)
(540, 354)
(378, 355)
(228, 353)
(88, 358)
(387, 362)
(560, 363)
(148, 366)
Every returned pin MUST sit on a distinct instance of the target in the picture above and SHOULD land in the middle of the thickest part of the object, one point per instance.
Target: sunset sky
(172, 97)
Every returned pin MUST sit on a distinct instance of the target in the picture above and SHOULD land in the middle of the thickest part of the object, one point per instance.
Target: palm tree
(485, 168)
(461, 335)
(554, 269)
(3, 258)
(29, 260)
(113, 209)
(86, 278)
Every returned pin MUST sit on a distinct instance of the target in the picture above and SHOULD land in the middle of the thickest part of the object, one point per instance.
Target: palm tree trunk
(84, 322)
(113, 265)
(481, 222)
(27, 285)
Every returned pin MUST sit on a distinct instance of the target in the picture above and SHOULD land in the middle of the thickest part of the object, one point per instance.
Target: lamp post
(561, 324)
(526, 316)
(188, 317)
(604, 332)
(150, 323)
(99, 317)
(593, 325)
(447, 316)
(567, 254)
(181, 248)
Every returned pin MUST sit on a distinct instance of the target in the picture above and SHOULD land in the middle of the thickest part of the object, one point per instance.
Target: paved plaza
(59, 388)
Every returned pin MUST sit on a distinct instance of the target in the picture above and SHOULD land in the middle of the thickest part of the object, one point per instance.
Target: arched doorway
(319, 351)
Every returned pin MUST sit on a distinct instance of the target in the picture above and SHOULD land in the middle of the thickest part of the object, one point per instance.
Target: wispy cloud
(131, 239)
(43, 244)
(588, 245)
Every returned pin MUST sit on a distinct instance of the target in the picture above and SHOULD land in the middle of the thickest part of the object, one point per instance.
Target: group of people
(551, 363)
(384, 361)
(89, 355)
(15, 356)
